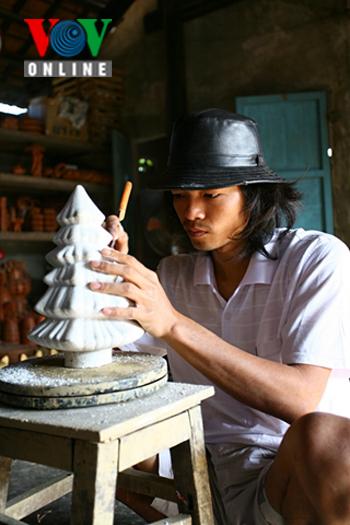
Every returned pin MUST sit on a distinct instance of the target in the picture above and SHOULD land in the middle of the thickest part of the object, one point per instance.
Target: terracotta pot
(27, 284)
(16, 273)
(21, 306)
(11, 331)
(5, 296)
(27, 324)
(10, 311)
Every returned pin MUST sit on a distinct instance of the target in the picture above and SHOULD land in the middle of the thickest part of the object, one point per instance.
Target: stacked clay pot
(16, 317)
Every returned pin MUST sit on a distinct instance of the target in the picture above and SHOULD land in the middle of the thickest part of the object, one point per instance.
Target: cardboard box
(65, 117)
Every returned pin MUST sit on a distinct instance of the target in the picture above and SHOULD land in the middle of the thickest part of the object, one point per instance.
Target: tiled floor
(27, 475)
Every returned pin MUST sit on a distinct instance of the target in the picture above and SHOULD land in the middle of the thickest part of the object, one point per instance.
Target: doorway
(293, 129)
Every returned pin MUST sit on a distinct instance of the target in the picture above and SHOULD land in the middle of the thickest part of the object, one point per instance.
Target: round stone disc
(46, 384)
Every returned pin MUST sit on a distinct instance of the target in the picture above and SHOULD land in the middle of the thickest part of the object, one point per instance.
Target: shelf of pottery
(37, 173)
(33, 175)
(17, 317)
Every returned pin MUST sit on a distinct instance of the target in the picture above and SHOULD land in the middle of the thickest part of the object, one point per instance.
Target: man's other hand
(120, 237)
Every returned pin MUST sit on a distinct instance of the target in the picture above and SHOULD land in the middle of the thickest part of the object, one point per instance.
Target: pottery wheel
(45, 383)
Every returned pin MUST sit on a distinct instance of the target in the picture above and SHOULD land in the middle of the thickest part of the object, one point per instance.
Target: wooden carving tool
(124, 200)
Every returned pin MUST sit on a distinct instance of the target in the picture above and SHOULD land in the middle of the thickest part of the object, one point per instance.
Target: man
(259, 311)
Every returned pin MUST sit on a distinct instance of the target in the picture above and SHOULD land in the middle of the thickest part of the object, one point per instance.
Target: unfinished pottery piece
(45, 384)
(74, 323)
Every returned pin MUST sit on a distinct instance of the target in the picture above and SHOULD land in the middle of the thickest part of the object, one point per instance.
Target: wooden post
(181, 519)
(7, 520)
(95, 477)
(191, 473)
(3, 214)
(5, 471)
(176, 96)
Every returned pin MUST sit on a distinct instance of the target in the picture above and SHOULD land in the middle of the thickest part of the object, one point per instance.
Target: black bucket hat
(213, 149)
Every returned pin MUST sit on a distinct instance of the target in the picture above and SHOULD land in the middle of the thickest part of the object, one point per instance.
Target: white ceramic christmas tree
(74, 323)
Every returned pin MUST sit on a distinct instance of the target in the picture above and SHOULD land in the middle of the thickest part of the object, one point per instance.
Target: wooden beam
(6, 520)
(22, 445)
(148, 441)
(96, 4)
(11, 59)
(180, 519)
(11, 15)
(192, 9)
(39, 496)
(18, 5)
(5, 472)
(176, 96)
(191, 475)
(115, 10)
(147, 484)
(95, 475)
(186, 10)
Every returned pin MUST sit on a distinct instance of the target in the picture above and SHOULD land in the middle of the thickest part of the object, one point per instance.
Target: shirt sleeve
(316, 328)
(147, 343)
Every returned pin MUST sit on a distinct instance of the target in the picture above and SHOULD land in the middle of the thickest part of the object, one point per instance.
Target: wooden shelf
(26, 236)
(29, 183)
(9, 347)
(12, 138)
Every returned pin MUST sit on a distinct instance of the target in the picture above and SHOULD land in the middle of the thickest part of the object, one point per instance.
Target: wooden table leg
(95, 476)
(5, 472)
(191, 473)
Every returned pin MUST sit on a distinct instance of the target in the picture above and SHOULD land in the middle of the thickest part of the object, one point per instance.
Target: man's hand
(151, 307)
(120, 237)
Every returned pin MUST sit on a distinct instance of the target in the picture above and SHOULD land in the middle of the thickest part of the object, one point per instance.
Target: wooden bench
(99, 444)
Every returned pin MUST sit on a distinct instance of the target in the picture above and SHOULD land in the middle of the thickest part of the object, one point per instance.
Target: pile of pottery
(16, 316)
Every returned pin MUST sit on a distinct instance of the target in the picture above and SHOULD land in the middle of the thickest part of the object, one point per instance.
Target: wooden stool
(97, 443)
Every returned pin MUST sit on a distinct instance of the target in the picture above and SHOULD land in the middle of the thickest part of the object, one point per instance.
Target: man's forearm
(281, 390)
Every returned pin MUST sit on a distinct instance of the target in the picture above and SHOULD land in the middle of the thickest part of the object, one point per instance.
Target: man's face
(211, 217)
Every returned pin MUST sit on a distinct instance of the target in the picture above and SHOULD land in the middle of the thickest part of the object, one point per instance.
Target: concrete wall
(254, 48)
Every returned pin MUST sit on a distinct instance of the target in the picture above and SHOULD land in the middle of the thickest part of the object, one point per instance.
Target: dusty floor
(27, 475)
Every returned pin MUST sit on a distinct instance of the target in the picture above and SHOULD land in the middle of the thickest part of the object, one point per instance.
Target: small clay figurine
(37, 152)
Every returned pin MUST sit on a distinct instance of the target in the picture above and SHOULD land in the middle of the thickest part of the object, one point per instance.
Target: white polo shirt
(295, 309)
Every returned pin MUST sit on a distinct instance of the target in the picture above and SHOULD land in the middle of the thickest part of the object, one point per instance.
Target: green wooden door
(293, 130)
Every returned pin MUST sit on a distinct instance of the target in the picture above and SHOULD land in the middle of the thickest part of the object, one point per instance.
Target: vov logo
(67, 38)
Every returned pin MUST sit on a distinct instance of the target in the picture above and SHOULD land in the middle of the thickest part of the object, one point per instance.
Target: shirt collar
(203, 270)
(260, 269)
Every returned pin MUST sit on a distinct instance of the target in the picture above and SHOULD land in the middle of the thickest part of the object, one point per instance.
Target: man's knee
(322, 452)
(312, 470)
(322, 438)
(148, 465)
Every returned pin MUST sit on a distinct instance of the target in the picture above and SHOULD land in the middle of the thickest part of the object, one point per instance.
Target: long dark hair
(267, 206)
